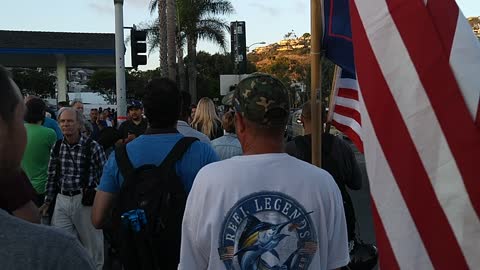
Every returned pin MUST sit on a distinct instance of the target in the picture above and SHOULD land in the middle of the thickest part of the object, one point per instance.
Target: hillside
(475, 23)
(288, 59)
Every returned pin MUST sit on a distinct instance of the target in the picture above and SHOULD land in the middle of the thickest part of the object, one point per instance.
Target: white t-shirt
(271, 210)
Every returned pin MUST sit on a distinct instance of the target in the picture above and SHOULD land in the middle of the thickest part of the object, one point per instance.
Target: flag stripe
(347, 130)
(396, 220)
(397, 144)
(348, 93)
(444, 15)
(435, 73)
(349, 112)
(347, 121)
(348, 83)
(465, 62)
(346, 116)
(347, 102)
(387, 259)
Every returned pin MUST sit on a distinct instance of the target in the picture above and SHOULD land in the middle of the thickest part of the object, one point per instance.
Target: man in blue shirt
(162, 109)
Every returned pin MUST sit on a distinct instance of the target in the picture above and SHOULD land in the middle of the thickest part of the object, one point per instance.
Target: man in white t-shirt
(263, 210)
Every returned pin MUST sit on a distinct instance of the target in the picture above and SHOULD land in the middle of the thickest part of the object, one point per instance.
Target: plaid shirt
(72, 159)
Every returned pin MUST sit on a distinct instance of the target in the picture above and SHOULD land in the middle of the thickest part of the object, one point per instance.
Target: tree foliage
(104, 81)
(38, 82)
(198, 19)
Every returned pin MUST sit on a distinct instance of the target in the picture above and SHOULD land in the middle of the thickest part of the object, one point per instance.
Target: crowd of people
(175, 186)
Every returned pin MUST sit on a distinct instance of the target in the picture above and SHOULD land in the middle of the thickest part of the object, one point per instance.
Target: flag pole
(331, 100)
(316, 91)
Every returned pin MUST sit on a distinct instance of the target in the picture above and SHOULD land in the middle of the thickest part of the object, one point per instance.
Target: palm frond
(217, 7)
(213, 29)
(152, 7)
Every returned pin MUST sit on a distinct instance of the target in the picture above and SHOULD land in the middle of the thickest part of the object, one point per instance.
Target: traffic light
(138, 41)
(239, 47)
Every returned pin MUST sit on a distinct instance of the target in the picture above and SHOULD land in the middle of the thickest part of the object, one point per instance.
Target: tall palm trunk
(192, 66)
(162, 17)
(171, 38)
(181, 68)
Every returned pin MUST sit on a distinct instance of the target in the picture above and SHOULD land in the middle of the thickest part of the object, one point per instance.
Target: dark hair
(162, 103)
(63, 103)
(186, 100)
(9, 97)
(228, 122)
(35, 111)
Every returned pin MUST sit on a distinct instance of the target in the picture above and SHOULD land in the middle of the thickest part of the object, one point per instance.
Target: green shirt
(40, 141)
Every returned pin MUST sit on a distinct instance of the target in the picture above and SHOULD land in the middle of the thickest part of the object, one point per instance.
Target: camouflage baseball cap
(262, 99)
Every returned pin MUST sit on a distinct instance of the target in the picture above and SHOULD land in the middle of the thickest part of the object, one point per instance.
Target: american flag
(417, 64)
(346, 110)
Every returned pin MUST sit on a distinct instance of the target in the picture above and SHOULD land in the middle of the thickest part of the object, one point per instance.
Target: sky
(266, 20)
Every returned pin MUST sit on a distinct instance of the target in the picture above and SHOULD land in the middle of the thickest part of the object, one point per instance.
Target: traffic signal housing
(138, 41)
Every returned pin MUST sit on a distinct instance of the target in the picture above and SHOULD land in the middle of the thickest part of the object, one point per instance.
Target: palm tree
(171, 38)
(203, 23)
(198, 19)
(161, 7)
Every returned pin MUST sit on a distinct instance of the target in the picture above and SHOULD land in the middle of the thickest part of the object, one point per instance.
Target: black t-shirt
(129, 127)
(217, 130)
(339, 160)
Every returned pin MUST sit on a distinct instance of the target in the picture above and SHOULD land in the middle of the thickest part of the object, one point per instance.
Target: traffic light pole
(120, 63)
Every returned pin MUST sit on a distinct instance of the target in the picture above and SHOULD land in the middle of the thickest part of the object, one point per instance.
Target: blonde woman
(206, 119)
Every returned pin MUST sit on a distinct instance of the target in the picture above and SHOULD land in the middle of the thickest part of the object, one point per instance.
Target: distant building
(285, 45)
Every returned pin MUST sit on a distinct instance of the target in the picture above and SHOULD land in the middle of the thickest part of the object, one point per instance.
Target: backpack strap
(87, 163)
(58, 169)
(177, 152)
(56, 148)
(123, 161)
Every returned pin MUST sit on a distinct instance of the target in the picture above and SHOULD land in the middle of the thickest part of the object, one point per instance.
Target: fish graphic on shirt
(259, 238)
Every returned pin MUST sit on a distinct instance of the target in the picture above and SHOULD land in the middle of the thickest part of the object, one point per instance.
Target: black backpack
(149, 211)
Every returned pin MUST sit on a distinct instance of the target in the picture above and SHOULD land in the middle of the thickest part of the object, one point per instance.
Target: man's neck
(73, 139)
(263, 147)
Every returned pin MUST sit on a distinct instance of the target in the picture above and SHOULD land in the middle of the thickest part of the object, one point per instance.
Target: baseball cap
(261, 98)
(134, 104)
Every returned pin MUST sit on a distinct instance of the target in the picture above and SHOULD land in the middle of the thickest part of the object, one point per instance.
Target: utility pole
(120, 63)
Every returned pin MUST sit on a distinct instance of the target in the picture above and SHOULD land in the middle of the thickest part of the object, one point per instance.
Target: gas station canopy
(43, 49)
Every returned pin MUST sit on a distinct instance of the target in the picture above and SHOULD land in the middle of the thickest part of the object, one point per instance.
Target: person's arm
(106, 191)
(51, 187)
(102, 207)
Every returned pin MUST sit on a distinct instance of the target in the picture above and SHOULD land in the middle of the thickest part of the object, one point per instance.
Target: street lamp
(256, 43)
